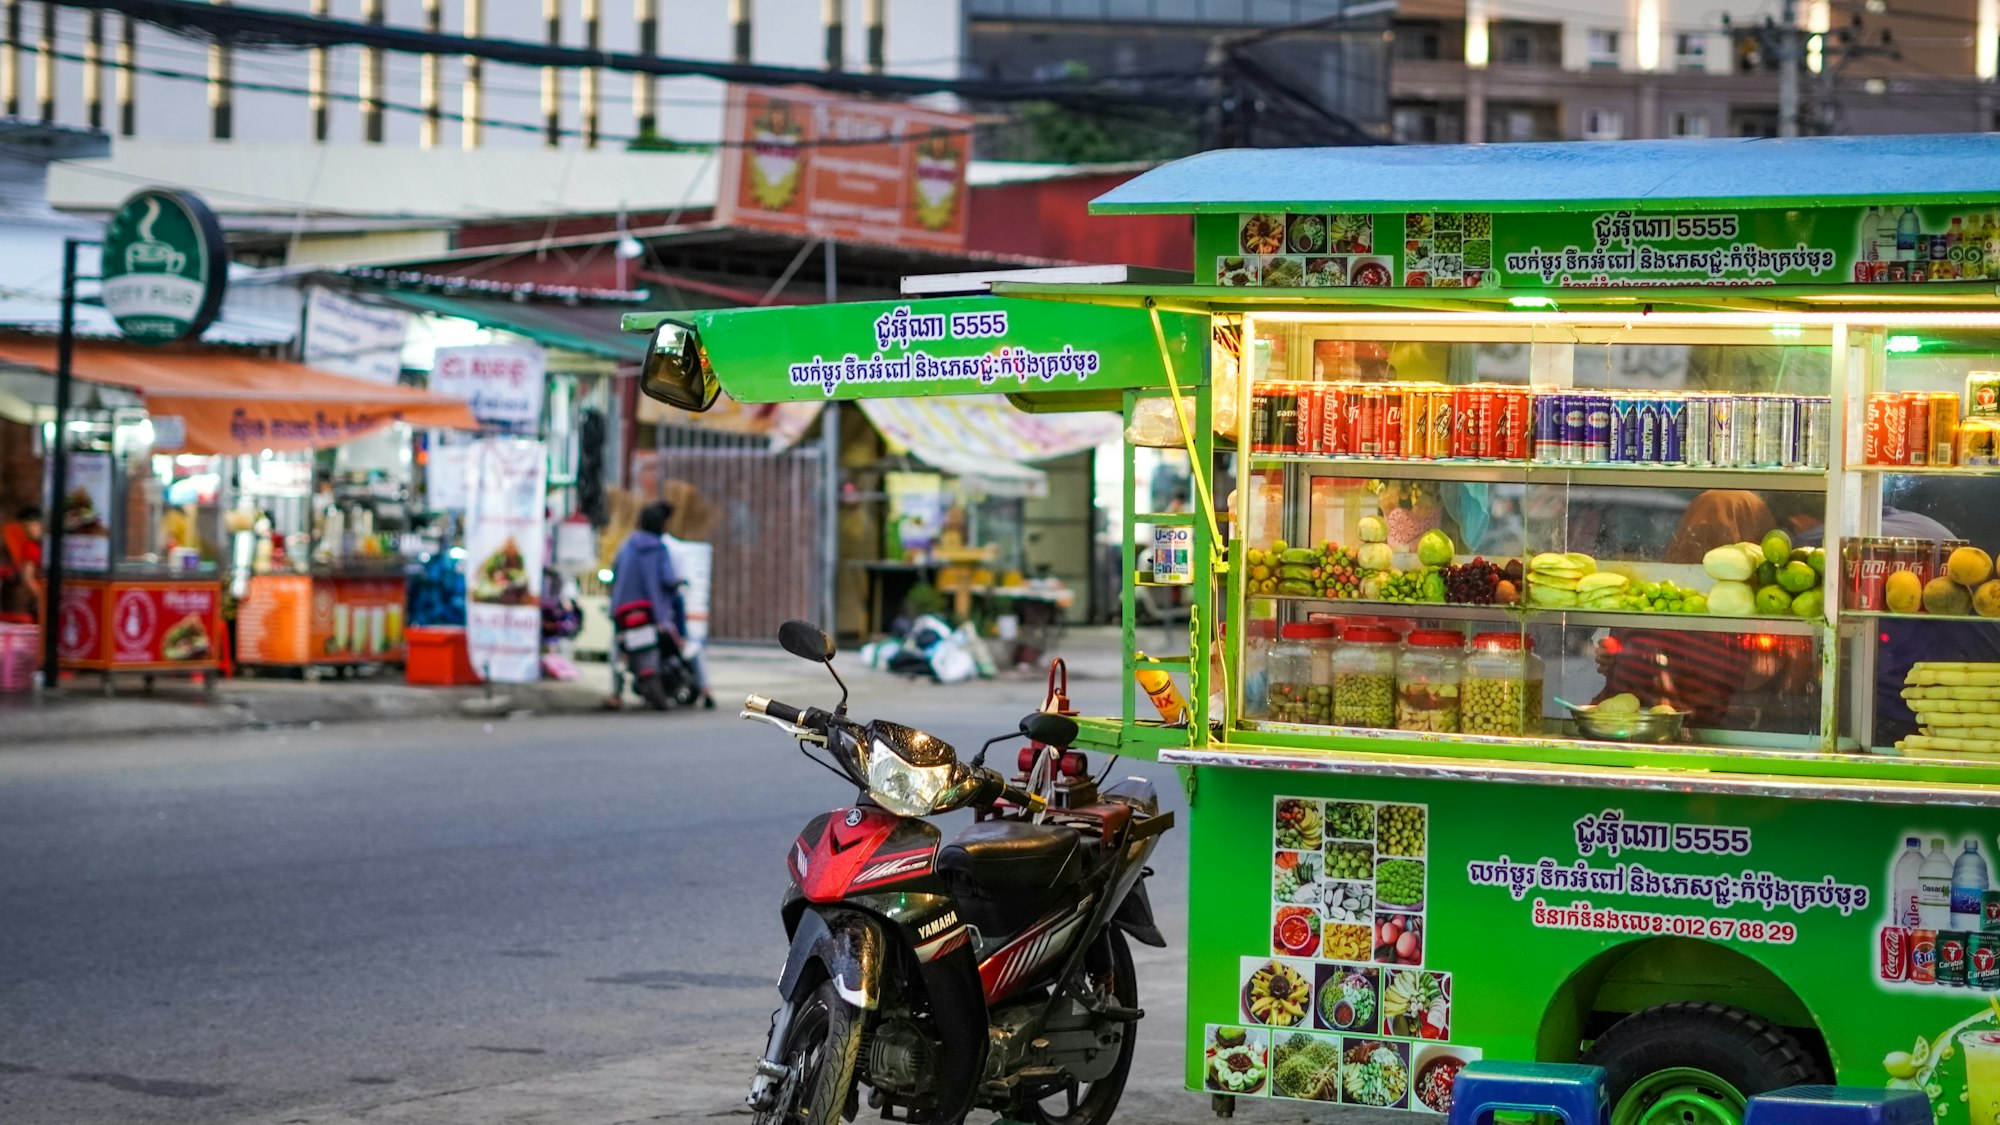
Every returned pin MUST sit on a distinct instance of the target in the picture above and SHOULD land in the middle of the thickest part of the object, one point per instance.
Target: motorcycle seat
(1009, 855)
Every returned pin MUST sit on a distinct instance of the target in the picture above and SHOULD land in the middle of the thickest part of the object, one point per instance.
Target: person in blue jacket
(644, 571)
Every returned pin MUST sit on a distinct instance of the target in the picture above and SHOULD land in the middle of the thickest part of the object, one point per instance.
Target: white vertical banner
(694, 565)
(504, 545)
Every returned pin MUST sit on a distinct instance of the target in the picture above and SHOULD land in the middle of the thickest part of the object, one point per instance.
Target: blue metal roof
(1567, 175)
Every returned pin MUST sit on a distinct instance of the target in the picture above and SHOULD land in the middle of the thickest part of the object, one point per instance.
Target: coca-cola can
(1333, 436)
(1887, 438)
(1892, 962)
(1368, 428)
(1395, 404)
(1312, 418)
(1417, 424)
(1350, 411)
(1917, 428)
(1871, 571)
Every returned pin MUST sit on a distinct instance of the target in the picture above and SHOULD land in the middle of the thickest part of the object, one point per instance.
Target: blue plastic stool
(1571, 1091)
(1838, 1105)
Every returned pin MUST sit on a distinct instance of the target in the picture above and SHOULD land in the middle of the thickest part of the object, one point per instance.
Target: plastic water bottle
(1871, 225)
(1907, 230)
(1968, 889)
(1934, 888)
(1903, 888)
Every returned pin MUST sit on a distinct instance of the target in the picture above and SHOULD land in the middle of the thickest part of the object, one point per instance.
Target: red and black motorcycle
(990, 971)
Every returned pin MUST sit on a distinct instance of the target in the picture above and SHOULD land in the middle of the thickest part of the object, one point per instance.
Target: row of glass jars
(1366, 676)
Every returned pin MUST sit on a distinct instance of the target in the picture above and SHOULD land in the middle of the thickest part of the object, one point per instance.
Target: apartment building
(1523, 70)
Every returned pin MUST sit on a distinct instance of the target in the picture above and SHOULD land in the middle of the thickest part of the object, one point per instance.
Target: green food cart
(1480, 430)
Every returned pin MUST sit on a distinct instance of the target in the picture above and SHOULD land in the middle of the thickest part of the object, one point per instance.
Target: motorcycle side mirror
(806, 641)
(675, 371)
(1049, 728)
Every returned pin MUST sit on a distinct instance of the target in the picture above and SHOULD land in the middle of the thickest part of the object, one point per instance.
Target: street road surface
(565, 920)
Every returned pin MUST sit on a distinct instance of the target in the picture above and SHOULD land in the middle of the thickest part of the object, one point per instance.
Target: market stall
(1697, 437)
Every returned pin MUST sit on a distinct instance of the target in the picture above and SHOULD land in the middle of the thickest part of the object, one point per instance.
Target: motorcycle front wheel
(1108, 973)
(822, 1048)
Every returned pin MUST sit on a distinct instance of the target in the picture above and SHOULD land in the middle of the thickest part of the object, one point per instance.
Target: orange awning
(244, 404)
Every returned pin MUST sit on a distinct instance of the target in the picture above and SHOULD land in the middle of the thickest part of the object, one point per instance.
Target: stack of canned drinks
(1694, 429)
(1917, 428)
(1500, 422)
(1393, 421)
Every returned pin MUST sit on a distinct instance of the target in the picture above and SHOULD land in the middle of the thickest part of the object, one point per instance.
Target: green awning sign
(945, 346)
(165, 266)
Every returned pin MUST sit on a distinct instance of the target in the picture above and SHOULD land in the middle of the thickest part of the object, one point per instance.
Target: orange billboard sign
(817, 164)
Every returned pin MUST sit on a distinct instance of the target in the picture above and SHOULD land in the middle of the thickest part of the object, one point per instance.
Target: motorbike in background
(651, 658)
(990, 971)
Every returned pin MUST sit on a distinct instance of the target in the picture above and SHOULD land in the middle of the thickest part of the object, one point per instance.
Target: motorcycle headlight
(902, 788)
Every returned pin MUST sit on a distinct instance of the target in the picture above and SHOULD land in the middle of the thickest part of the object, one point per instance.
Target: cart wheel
(146, 683)
(211, 683)
(106, 686)
(1694, 1063)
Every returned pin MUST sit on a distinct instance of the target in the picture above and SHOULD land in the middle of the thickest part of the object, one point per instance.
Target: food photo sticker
(1416, 1004)
(1299, 823)
(1297, 878)
(1238, 272)
(1325, 272)
(1348, 998)
(1295, 932)
(1346, 902)
(1374, 1072)
(1371, 271)
(1277, 991)
(1260, 234)
(1434, 1071)
(1236, 1060)
(1305, 234)
(1447, 249)
(1399, 939)
(1305, 1067)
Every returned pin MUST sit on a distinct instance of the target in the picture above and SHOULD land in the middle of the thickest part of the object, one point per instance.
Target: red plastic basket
(437, 656)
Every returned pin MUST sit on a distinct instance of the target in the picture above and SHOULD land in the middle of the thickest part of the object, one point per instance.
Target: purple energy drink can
(1649, 430)
(1548, 424)
(1576, 428)
(1624, 428)
(1673, 430)
(1598, 429)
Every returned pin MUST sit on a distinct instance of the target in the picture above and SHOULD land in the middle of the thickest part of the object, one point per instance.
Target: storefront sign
(960, 345)
(84, 508)
(504, 383)
(504, 546)
(293, 619)
(1486, 250)
(827, 166)
(165, 266)
(346, 337)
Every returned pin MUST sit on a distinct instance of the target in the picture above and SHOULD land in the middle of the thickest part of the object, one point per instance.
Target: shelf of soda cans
(1550, 426)
(1557, 472)
(1934, 431)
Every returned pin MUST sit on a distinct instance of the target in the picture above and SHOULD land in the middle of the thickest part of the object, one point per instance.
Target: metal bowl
(1629, 726)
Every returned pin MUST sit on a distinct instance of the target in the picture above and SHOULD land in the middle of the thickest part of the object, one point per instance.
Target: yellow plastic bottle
(1159, 687)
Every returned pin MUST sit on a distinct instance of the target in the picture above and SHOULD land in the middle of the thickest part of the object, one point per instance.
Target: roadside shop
(1702, 442)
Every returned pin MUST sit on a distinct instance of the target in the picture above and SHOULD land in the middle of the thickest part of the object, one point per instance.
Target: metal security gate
(767, 538)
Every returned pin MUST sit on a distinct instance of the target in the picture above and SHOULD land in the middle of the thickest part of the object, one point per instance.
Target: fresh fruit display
(1553, 578)
(1435, 548)
(1473, 583)
(1601, 590)
(1771, 577)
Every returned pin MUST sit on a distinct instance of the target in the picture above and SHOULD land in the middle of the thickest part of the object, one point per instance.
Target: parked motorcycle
(991, 971)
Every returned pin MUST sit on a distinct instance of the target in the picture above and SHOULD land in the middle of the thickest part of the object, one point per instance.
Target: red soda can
(1312, 418)
(1917, 428)
(1368, 429)
(1462, 421)
(1333, 421)
(1893, 954)
(1350, 411)
(1440, 423)
(1877, 555)
(1923, 956)
(1486, 404)
(1887, 441)
(1515, 418)
(1395, 405)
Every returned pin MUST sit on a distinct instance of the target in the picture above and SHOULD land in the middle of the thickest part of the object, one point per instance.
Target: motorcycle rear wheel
(652, 691)
(1108, 972)
(822, 1048)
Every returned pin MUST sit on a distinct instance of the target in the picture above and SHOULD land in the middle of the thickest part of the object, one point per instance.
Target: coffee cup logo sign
(165, 266)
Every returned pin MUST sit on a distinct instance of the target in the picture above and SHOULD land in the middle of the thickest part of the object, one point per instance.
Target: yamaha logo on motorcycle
(990, 971)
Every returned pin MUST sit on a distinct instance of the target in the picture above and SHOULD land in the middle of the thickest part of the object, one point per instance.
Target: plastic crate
(437, 656)
(20, 656)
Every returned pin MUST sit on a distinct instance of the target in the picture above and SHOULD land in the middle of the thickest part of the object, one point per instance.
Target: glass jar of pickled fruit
(1427, 676)
(1364, 677)
(1301, 690)
(1500, 691)
(1260, 636)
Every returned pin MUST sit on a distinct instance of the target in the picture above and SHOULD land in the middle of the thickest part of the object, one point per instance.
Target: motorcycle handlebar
(998, 788)
(759, 705)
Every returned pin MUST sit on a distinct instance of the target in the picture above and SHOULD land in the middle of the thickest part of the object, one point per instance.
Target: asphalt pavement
(562, 919)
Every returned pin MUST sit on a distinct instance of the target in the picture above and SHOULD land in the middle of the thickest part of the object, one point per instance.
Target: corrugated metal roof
(1569, 175)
